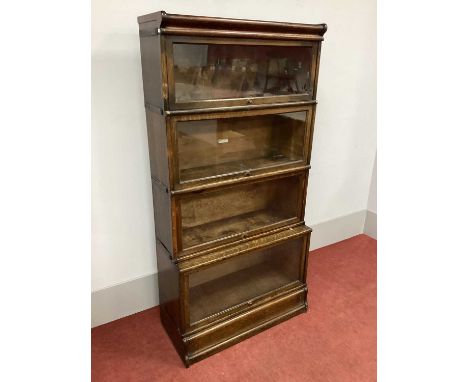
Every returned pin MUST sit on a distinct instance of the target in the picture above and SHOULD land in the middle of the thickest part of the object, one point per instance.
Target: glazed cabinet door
(225, 214)
(221, 146)
(214, 72)
(244, 281)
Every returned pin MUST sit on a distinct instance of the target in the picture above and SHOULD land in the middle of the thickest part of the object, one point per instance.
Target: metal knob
(250, 101)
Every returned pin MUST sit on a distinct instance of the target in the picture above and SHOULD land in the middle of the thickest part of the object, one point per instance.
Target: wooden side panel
(316, 66)
(162, 215)
(168, 283)
(310, 133)
(173, 331)
(157, 146)
(150, 49)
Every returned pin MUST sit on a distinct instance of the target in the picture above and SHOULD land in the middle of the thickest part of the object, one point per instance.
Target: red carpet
(334, 341)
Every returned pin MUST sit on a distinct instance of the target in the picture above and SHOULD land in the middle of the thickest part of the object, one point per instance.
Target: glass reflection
(203, 71)
(214, 147)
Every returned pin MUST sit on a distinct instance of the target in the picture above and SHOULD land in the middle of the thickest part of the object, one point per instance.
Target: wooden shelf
(226, 227)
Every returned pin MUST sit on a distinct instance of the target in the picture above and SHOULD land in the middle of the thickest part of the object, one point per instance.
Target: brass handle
(247, 173)
(250, 101)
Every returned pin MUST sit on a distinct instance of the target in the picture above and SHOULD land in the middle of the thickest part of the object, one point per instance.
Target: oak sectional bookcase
(230, 107)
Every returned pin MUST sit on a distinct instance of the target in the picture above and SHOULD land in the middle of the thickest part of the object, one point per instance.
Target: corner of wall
(370, 226)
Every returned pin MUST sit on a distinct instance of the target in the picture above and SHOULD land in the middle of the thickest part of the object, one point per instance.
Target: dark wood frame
(180, 252)
(202, 25)
(213, 103)
(177, 185)
(197, 340)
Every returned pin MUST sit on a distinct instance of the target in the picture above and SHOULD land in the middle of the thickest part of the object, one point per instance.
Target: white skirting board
(133, 296)
(124, 299)
(338, 229)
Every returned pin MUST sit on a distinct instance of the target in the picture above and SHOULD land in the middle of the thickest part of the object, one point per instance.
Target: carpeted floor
(334, 341)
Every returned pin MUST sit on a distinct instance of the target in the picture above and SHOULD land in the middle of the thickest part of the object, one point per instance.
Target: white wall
(344, 141)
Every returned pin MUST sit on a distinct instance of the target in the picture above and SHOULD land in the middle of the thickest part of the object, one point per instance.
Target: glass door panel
(224, 146)
(239, 210)
(243, 278)
(216, 71)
